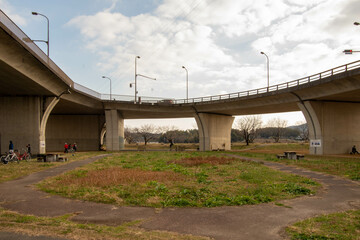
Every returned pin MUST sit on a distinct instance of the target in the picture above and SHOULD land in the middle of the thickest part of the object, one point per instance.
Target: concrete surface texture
(214, 131)
(264, 221)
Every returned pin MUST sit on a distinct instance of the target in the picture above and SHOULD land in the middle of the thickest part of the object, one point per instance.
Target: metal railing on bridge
(274, 88)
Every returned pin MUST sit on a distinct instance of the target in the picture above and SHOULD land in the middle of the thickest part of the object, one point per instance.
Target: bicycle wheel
(3, 159)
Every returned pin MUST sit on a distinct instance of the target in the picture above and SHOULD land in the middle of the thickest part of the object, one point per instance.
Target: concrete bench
(62, 158)
(281, 156)
(299, 156)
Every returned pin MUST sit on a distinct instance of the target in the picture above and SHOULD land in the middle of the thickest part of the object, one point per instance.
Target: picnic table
(290, 155)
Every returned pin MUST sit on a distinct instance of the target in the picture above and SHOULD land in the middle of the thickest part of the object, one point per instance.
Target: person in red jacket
(66, 147)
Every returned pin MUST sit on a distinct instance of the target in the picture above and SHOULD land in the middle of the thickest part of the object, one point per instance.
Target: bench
(299, 156)
(280, 156)
(62, 158)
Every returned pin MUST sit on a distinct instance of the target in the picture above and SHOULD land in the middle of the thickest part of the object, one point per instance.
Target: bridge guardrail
(274, 88)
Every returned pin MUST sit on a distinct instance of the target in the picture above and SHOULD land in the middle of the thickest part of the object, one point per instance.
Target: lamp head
(356, 23)
(34, 13)
(103, 77)
(262, 52)
(137, 56)
(183, 66)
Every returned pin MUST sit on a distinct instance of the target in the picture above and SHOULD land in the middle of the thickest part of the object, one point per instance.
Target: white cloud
(10, 11)
(203, 36)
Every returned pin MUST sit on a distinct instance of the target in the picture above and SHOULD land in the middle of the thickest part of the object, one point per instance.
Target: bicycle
(25, 156)
(9, 157)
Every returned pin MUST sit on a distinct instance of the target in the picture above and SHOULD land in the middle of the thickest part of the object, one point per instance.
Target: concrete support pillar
(43, 123)
(335, 125)
(214, 131)
(114, 130)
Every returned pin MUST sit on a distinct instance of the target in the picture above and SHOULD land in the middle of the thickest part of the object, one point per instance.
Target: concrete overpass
(37, 109)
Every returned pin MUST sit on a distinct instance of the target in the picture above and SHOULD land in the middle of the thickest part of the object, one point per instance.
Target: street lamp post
(187, 83)
(136, 78)
(136, 75)
(47, 42)
(110, 84)
(268, 74)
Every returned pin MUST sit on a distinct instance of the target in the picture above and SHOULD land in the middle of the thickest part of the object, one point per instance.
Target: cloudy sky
(219, 42)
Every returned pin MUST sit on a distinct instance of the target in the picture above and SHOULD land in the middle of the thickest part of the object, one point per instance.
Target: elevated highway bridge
(41, 105)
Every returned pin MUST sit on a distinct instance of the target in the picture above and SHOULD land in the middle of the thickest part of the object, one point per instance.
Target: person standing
(11, 147)
(66, 147)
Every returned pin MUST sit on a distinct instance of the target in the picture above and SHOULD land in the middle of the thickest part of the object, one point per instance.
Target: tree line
(247, 129)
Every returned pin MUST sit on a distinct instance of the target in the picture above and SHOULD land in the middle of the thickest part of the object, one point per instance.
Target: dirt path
(264, 221)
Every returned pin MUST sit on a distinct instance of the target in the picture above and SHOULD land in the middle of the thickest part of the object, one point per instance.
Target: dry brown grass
(116, 176)
(196, 161)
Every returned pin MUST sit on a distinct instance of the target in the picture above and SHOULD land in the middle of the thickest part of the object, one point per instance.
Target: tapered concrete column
(214, 131)
(336, 125)
(114, 130)
(43, 124)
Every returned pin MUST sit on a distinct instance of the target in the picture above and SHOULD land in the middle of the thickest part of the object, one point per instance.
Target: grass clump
(63, 227)
(339, 226)
(177, 179)
(13, 171)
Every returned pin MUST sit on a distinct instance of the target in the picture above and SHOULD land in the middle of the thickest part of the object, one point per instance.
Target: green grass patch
(63, 227)
(344, 166)
(177, 179)
(339, 226)
(13, 171)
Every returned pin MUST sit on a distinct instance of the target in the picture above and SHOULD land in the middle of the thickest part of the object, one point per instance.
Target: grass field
(164, 179)
(13, 170)
(347, 166)
(339, 226)
(63, 227)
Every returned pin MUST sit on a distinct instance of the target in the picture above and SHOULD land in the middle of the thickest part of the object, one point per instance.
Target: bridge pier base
(335, 125)
(114, 130)
(214, 131)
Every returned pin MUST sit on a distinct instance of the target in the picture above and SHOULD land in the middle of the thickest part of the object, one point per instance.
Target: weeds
(168, 179)
(340, 226)
(64, 228)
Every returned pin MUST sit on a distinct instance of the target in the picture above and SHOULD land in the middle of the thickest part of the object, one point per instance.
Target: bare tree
(147, 132)
(304, 130)
(249, 126)
(170, 133)
(277, 126)
(130, 135)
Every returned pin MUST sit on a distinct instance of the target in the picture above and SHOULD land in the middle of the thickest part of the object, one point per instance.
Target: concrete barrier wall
(19, 122)
(84, 130)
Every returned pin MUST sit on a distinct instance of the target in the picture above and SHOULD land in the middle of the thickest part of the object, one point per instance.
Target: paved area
(264, 221)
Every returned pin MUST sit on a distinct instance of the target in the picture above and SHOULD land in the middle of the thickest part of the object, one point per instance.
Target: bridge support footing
(214, 131)
(114, 130)
(333, 126)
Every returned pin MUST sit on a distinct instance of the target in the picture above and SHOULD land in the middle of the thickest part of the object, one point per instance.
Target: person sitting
(353, 150)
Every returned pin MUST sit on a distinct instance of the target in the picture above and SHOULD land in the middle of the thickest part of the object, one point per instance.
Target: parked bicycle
(25, 156)
(9, 157)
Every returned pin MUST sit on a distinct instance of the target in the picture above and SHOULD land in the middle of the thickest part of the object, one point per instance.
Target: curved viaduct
(41, 105)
